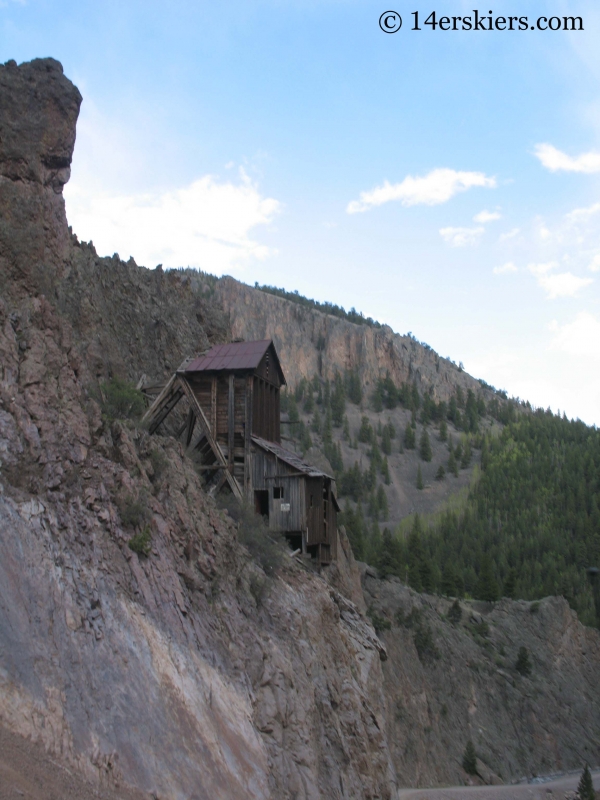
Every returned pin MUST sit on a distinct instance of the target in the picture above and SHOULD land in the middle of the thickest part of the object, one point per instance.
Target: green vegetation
(265, 546)
(141, 543)
(585, 788)
(327, 308)
(469, 761)
(121, 400)
(523, 663)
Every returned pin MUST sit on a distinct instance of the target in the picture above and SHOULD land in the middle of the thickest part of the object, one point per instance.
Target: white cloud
(510, 234)
(582, 215)
(432, 189)
(505, 268)
(486, 216)
(206, 224)
(578, 338)
(555, 160)
(562, 284)
(461, 237)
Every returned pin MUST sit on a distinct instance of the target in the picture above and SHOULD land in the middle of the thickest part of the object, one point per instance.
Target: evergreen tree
(375, 454)
(469, 761)
(382, 503)
(377, 399)
(390, 560)
(426, 575)
(523, 663)
(441, 473)
(443, 431)
(455, 612)
(316, 422)
(346, 429)
(409, 438)
(365, 433)
(309, 403)
(452, 465)
(385, 471)
(487, 585)
(353, 387)
(386, 441)
(419, 478)
(425, 446)
(585, 788)
(415, 555)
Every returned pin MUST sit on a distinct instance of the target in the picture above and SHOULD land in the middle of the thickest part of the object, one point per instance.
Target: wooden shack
(229, 421)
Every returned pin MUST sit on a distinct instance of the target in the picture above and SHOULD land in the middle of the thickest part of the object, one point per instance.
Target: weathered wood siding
(268, 472)
(266, 411)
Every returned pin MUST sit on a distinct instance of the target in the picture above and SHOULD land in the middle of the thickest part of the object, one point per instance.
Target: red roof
(237, 355)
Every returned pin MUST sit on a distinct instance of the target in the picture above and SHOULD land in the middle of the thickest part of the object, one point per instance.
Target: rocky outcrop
(310, 343)
(187, 672)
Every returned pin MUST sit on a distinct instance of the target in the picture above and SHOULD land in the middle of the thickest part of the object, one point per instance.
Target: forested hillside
(510, 496)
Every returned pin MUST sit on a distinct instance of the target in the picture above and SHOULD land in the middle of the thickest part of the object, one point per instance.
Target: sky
(444, 182)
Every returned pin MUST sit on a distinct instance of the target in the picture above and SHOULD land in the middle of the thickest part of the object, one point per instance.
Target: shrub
(469, 761)
(159, 463)
(133, 511)
(141, 543)
(523, 663)
(121, 400)
(423, 639)
(379, 623)
(265, 546)
(585, 789)
(455, 612)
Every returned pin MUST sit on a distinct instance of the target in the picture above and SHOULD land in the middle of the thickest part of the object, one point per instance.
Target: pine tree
(386, 441)
(377, 400)
(327, 427)
(409, 438)
(469, 761)
(452, 465)
(441, 473)
(523, 663)
(466, 455)
(346, 429)
(385, 471)
(316, 423)
(293, 409)
(425, 446)
(455, 612)
(338, 401)
(585, 788)
(365, 434)
(443, 431)
(309, 403)
(419, 478)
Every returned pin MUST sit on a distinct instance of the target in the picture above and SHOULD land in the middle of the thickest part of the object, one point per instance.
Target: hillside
(142, 644)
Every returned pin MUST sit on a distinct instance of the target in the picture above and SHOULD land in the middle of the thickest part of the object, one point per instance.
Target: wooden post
(213, 406)
(231, 421)
(248, 438)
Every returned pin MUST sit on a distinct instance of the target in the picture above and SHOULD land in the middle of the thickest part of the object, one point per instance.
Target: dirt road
(559, 788)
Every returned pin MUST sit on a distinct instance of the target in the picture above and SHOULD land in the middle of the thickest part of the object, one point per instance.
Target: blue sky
(446, 183)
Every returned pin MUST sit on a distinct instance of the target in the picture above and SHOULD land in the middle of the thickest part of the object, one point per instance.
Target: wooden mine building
(224, 406)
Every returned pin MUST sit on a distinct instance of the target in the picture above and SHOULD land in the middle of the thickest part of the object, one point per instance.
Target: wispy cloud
(436, 187)
(486, 216)
(461, 237)
(555, 160)
(509, 234)
(561, 284)
(206, 224)
(504, 269)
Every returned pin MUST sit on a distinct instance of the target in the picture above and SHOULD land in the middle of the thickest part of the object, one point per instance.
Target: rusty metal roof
(236, 355)
(293, 459)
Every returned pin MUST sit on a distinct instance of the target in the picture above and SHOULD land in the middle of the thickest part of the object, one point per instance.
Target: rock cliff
(188, 672)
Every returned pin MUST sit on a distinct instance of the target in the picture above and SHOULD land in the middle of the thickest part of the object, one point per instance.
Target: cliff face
(310, 343)
(189, 673)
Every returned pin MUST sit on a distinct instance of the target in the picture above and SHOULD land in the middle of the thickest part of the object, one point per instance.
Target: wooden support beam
(191, 422)
(203, 422)
(214, 490)
(159, 400)
(248, 438)
(230, 421)
(213, 406)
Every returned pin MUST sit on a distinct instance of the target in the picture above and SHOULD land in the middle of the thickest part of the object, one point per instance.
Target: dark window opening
(278, 493)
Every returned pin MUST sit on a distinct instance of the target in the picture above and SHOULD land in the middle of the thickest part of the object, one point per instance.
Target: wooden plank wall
(269, 472)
